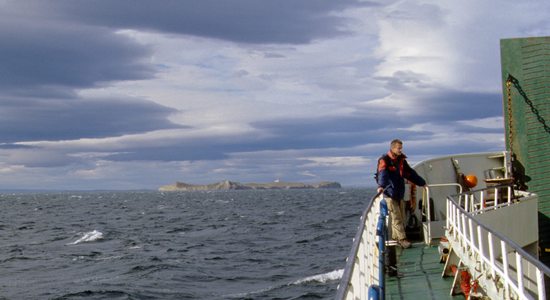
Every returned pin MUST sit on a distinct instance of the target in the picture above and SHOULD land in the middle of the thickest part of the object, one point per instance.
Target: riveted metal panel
(528, 60)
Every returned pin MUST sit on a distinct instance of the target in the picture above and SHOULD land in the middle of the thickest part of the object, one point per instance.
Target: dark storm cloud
(246, 21)
(456, 105)
(14, 146)
(442, 109)
(287, 134)
(45, 58)
(324, 132)
(51, 120)
(210, 150)
(440, 104)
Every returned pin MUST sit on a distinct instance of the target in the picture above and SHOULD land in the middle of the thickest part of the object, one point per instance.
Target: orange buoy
(465, 285)
(470, 180)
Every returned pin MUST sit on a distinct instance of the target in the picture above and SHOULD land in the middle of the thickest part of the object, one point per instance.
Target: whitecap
(89, 237)
(322, 278)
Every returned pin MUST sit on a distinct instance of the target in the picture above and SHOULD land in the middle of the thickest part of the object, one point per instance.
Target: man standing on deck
(393, 169)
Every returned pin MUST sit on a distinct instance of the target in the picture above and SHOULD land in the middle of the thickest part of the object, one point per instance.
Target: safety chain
(512, 80)
(510, 131)
(510, 121)
(519, 180)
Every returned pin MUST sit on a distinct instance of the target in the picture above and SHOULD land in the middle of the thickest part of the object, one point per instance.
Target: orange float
(470, 180)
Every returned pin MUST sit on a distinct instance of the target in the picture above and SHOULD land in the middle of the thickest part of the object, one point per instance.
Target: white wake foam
(89, 237)
(322, 278)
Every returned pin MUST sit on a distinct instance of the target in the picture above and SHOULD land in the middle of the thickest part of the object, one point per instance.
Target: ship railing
(427, 210)
(363, 267)
(496, 256)
(491, 198)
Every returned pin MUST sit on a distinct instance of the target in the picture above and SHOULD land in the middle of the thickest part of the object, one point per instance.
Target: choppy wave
(147, 245)
(89, 237)
(322, 278)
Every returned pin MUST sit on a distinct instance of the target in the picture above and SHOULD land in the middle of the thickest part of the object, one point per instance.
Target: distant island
(231, 185)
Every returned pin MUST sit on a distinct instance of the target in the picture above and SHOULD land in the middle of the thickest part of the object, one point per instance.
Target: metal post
(382, 234)
(505, 267)
(519, 268)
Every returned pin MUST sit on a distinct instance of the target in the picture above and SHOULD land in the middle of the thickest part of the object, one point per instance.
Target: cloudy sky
(136, 94)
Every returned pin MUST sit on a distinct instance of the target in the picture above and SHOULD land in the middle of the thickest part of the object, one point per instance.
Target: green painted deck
(421, 275)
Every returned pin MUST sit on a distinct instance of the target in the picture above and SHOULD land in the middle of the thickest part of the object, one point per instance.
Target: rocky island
(231, 185)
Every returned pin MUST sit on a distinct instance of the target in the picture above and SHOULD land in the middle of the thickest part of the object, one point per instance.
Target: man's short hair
(396, 141)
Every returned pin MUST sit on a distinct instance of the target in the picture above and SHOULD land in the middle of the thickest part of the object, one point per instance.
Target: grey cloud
(41, 57)
(457, 105)
(187, 152)
(440, 104)
(241, 73)
(419, 11)
(39, 119)
(322, 133)
(325, 133)
(10, 146)
(404, 80)
(39, 158)
(273, 55)
(368, 127)
(246, 21)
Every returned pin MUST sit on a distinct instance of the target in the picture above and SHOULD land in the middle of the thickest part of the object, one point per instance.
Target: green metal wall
(528, 60)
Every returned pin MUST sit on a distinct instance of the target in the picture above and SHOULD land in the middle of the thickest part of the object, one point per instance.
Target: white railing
(427, 208)
(362, 264)
(496, 258)
(489, 198)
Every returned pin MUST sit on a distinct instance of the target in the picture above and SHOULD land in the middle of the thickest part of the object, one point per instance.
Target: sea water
(270, 244)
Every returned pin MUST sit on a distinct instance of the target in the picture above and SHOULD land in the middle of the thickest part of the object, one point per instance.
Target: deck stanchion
(491, 253)
(448, 212)
(463, 227)
(480, 240)
(540, 284)
(505, 267)
(519, 268)
(471, 238)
